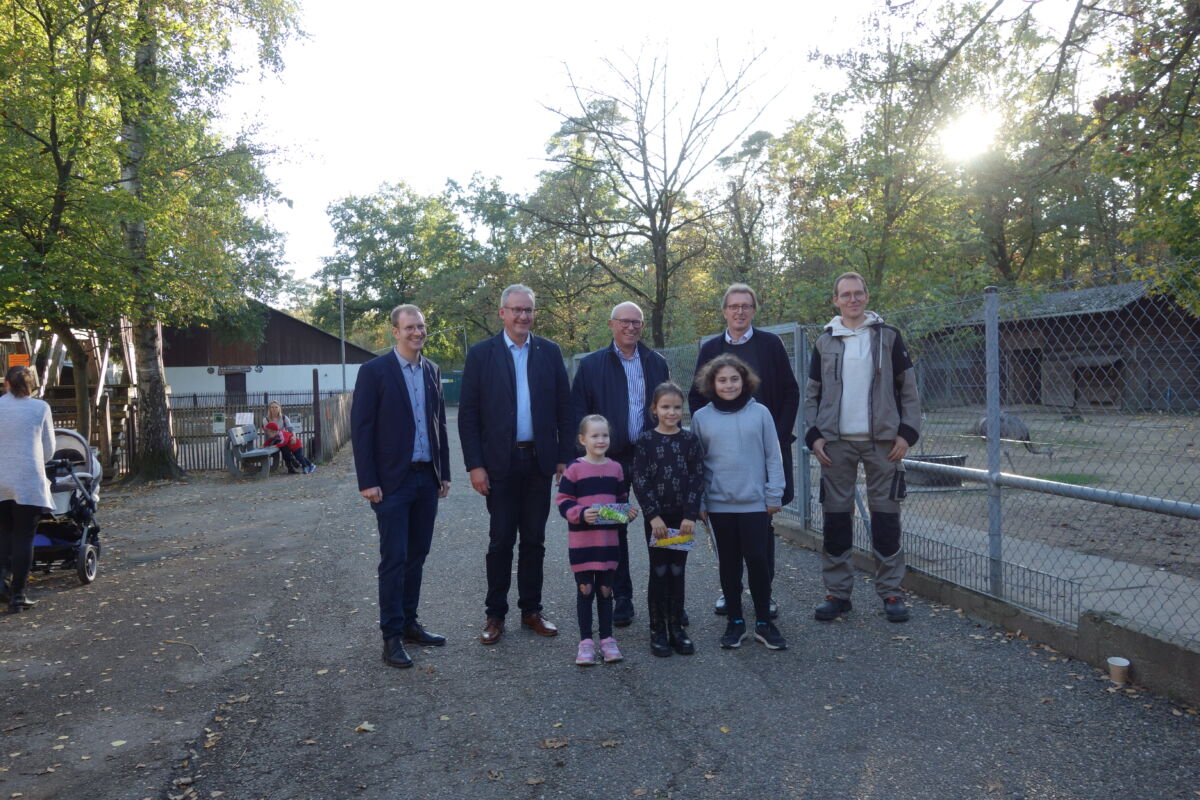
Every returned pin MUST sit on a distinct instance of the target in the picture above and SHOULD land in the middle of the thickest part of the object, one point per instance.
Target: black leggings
(666, 569)
(18, 524)
(744, 538)
(587, 583)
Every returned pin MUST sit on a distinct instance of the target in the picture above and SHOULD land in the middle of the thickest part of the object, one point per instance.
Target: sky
(385, 91)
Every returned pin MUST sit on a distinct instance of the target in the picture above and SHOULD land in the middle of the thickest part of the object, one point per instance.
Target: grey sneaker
(768, 634)
(735, 632)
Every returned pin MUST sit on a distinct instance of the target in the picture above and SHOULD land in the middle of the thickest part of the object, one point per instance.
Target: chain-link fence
(1090, 500)
(1096, 394)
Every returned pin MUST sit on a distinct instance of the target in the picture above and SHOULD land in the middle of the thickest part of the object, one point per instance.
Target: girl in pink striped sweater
(593, 480)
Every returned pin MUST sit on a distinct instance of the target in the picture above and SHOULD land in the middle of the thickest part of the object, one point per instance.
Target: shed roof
(1097, 300)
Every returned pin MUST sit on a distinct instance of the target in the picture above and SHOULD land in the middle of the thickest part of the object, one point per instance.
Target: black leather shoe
(831, 609)
(415, 634)
(774, 609)
(719, 606)
(394, 654)
(622, 612)
(19, 602)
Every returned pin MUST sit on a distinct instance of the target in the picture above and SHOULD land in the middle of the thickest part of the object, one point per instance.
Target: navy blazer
(600, 387)
(382, 427)
(487, 407)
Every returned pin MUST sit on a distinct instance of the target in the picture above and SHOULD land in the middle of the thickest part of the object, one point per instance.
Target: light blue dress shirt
(635, 382)
(520, 357)
(414, 379)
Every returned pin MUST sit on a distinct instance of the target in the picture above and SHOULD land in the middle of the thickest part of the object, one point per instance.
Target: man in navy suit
(402, 457)
(514, 419)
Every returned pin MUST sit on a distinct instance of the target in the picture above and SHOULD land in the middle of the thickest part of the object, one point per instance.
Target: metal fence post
(991, 317)
(805, 466)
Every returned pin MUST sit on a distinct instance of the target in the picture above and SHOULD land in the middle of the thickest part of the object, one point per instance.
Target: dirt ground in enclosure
(1153, 455)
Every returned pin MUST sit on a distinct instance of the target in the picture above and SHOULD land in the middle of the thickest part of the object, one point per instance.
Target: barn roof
(1097, 300)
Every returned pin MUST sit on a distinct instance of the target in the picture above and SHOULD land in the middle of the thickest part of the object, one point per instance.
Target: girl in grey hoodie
(743, 475)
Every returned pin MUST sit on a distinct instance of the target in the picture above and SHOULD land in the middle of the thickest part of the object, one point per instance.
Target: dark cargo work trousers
(885, 481)
(519, 504)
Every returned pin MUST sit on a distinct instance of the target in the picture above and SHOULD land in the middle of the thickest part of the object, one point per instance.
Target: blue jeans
(405, 519)
(518, 504)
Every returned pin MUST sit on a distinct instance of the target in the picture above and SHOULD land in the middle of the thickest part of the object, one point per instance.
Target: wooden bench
(241, 455)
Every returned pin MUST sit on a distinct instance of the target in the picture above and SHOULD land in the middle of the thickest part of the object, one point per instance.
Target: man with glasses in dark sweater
(779, 391)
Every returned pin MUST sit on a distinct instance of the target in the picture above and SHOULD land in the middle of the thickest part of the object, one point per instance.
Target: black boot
(675, 632)
(17, 601)
(660, 643)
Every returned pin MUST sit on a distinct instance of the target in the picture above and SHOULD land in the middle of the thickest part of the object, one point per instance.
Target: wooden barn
(204, 360)
(1109, 347)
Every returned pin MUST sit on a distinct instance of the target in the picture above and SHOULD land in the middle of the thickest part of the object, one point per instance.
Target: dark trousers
(405, 519)
(744, 538)
(622, 580)
(18, 524)
(519, 504)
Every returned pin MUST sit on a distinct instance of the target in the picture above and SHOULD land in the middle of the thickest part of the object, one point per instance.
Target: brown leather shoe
(493, 629)
(539, 624)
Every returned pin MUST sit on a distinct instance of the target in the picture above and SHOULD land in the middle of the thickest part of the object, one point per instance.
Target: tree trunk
(79, 364)
(154, 458)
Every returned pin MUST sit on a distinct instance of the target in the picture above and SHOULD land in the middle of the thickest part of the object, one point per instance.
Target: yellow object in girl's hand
(674, 540)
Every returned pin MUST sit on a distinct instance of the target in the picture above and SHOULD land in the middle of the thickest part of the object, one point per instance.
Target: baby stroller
(69, 535)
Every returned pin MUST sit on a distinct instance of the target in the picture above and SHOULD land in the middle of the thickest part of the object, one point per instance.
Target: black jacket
(381, 423)
(487, 408)
(600, 388)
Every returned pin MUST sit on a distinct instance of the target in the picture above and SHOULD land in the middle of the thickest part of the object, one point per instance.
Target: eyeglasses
(629, 323)
(520, 311)
(852, 296)
(740, 308)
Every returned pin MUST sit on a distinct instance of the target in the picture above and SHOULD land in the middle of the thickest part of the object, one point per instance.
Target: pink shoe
(585, 656)
(610, 651)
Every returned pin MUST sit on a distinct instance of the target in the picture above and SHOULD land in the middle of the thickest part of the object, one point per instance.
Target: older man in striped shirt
(617, 382)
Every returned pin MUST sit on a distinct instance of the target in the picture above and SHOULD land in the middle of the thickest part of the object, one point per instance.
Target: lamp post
(342, 330)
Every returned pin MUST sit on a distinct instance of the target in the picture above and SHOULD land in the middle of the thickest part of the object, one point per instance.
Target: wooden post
(316, 412)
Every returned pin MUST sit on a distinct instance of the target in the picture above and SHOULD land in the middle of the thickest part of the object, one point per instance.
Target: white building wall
(293, 378)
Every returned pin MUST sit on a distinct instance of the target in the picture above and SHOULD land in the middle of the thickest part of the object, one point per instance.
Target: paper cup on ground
(1118, 669)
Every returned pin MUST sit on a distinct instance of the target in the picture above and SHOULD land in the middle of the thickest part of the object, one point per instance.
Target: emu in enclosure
(1014, 429)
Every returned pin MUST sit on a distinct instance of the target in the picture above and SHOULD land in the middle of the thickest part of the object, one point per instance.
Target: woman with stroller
(26, 441)
(279, 431)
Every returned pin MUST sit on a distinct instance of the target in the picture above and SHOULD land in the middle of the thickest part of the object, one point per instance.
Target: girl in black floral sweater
(668, 477)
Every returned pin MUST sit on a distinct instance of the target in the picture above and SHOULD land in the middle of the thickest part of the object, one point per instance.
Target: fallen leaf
(495, 774)
(610, 743)
(555, 725)
(535, 781)
(639, 792)
(243, 699)
(322, 672)
(118, 743)
(829, 708)
(708, 776)
(365, 727)
(724, 729)
(553, 744)
(444, 718)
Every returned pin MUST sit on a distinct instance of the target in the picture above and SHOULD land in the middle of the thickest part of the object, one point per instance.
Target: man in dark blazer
(515, 423)
(402, 457)
(778, 389)
(618, 381)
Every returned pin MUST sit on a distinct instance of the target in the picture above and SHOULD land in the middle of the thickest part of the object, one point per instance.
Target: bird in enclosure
(1012, 428)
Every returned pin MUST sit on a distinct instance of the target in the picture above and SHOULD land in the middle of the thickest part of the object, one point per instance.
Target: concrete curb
(1163, 666)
